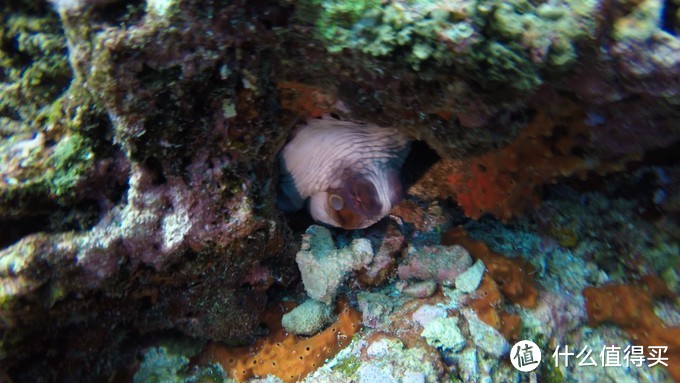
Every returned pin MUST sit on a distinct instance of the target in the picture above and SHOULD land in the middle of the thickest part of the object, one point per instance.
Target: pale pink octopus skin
(348, 171)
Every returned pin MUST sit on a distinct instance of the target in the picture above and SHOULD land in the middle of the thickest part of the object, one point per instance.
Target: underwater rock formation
(119, 214)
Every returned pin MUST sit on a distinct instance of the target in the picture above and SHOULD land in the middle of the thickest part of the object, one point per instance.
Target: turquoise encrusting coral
(162, 365)
(139, 230)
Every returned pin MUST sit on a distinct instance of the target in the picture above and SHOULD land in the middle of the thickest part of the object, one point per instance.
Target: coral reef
(646, 247)
(516, 41)
(541, 301)
(505, 278)
(577, 112)
(47, 123)
(385, 359)
(138, 150)
(285, 355)
(504, 182)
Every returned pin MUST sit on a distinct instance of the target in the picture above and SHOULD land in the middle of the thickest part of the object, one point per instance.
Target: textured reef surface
(140, 239)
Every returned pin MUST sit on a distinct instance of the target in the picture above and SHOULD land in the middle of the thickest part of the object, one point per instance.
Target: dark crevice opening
(419, 160)
(670, 17)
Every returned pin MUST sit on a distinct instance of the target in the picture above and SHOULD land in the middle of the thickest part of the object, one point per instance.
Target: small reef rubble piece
(324, 267)
(422, 289)
(470, 279)
(444, 333)
(374, 307)
(168, 365)
(486, 337)
(308, 318)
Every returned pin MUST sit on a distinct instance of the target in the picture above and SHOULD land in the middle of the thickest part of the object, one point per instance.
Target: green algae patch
(70, 159)
(348, 366)
(34, 66)
(41, 115)
(45, 166)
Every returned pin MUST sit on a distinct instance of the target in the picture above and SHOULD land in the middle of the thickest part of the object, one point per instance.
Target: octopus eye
(336, 202)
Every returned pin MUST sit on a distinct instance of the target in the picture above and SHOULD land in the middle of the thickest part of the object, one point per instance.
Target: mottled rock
(487, 338)
(324, 267)
(439, 263)
(427, 313)
(374, 308)
(422, 289)
(470, 279)
(308, 318)
(444, 334)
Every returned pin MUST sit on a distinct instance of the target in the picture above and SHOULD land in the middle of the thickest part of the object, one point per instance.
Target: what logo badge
(525, 355)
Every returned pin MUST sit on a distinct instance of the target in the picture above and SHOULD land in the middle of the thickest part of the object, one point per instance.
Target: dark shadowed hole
(123, 13)
(270, 15)
(156, 169)
(11, 230)
(419, 160)
(669, 17)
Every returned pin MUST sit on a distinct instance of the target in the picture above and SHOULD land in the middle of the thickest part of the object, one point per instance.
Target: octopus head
(346, 172)
(357, 203)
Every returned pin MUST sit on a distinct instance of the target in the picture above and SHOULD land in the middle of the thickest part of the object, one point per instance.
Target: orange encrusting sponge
(287, 356)
(632, 308)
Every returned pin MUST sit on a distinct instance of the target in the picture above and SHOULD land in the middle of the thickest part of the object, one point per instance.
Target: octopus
(346, 172)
